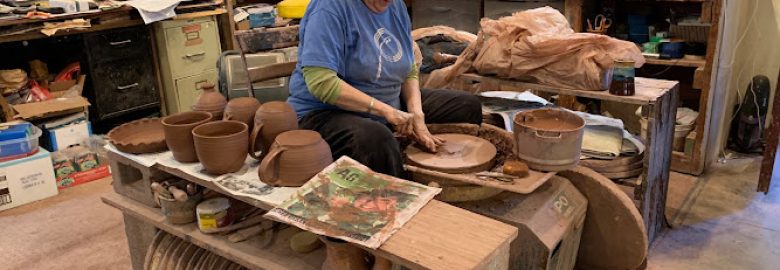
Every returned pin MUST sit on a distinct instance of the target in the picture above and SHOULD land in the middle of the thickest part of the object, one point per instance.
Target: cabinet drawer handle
(125, 87)
(194, 54)
(117, 43)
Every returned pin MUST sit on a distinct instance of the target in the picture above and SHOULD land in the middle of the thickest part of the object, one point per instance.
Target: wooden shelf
(676, 62)
(647, 90)
(247, 253)
(193, 15)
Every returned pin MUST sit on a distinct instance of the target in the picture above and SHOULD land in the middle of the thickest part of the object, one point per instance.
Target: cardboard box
(26, 180)
(58, 89)
(66, 136)
(50, 108)
(72, 169)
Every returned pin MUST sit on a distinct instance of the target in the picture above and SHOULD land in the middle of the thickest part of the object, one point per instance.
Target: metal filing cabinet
(188, 51)
(549, 222)
(122, 74)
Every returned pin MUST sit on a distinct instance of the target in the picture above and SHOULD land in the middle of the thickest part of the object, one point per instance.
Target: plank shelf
(247, 253)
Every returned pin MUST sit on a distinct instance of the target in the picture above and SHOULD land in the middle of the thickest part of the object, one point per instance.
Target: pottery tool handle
(178, 194)
(157, 187)
(243, 224)
(192, 189)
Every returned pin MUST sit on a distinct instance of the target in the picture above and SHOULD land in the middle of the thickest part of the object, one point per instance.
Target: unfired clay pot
(295, 157)
(340, 255)
(242, 109)
(221, 145)
(178, 133)
(210, 100)
(271, 119)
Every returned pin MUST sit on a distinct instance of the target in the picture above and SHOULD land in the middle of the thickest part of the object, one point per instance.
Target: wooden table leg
(139, 237)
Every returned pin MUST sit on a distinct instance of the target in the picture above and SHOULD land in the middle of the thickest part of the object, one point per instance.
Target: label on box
(5, 194)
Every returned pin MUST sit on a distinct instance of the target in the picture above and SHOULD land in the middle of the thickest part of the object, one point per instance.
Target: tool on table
(161, 191)
(178, 194)
(245, 233)
(497, 176)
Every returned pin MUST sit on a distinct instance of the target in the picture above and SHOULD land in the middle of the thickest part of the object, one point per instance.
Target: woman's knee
(470, 109)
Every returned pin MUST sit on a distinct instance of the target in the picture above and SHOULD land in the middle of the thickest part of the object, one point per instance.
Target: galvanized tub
(548, 139)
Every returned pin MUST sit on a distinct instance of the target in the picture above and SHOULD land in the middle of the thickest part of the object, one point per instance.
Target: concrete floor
(719, 222)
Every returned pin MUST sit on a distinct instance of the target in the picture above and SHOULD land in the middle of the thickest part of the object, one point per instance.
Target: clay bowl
(222, 145)
(178, 133)
(295, 157)
(241, 109)
(271, 119)
(139, 136)
(210, 100)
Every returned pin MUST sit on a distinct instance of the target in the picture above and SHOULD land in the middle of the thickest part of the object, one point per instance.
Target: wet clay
(295, 157)
(139, 136)
(271, 119)
(242, 109)
(460, 154)
(210, 100)
(222, 145)
(178, 134)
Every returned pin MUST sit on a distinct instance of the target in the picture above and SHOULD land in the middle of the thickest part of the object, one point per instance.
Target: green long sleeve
(323, 83)
(414, 73)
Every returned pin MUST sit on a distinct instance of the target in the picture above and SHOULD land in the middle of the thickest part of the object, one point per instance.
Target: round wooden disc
(620, 161)
(619, 168)
(181, 262)
(152, 248)
(460, 154)
(614, 235)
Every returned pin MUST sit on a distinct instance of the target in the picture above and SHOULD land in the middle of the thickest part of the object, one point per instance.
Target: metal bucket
(177, 212)
(548, 139)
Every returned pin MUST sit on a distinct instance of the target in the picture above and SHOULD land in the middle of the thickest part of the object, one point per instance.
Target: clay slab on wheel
(460, 153)
(614, 235)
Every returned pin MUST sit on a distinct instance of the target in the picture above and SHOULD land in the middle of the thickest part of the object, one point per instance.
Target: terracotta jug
(210, 100)
(178, 133)
(295, 157)
(271, 119)
(221, 145)
(340, 255)
(241, 109)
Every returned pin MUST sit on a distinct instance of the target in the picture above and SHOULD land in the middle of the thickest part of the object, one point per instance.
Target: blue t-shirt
(370, 51)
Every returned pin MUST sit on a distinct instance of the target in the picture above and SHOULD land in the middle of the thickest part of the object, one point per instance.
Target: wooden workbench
(440, 236)
(658, 99)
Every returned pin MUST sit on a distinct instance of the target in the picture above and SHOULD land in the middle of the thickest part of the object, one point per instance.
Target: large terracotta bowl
(295, 157)
(221, 146)
(139, 136)
(178, 133)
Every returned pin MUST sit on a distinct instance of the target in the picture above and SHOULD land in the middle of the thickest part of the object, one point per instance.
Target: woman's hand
(401, 120)
(423, 136)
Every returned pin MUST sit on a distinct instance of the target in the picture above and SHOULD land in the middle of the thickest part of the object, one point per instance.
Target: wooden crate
(549, 221)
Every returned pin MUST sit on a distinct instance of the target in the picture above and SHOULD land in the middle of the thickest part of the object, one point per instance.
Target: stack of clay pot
(210, 101)
(290, 157)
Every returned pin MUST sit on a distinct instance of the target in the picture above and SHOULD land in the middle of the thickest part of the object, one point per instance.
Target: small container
(622, 78)
(293, 9)
(21, 147)
(213, 214)
(177, 212)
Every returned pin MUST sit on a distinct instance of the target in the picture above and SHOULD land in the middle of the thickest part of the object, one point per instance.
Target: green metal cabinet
(188, 51)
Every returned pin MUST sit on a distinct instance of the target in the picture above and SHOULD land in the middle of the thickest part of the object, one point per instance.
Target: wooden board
(614, 235)
(772, 135)
(675, 62)
(647, 90)
(521, 185)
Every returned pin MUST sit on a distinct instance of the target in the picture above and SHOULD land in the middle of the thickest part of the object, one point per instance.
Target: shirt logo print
(389, 49)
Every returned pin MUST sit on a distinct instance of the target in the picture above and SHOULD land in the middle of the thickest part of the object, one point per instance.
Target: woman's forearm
(410, 92)
(352, 99)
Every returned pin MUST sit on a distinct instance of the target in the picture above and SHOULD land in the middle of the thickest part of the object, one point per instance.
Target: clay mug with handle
(241, 109)
(271, 119)
(295, 157)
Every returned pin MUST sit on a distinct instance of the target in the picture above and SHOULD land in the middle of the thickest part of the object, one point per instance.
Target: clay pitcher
(221, 145)
(241, 109)
(271, 119)
(178, 133)
(211, 101)
(295, 157)
(340, 255)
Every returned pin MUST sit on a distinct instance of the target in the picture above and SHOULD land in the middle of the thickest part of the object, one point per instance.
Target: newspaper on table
(350, 202)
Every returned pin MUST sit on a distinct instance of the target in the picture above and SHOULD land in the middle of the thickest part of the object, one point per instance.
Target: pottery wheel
(460, 153)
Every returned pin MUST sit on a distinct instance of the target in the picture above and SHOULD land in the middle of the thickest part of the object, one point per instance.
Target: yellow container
(292, 8)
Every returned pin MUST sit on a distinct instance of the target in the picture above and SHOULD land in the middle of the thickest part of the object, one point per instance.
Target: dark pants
(372, 143)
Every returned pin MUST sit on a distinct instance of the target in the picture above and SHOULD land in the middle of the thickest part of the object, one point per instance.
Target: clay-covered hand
(423, 136)
(401, 120)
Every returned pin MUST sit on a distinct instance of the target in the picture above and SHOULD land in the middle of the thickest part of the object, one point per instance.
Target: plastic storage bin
(22, 147)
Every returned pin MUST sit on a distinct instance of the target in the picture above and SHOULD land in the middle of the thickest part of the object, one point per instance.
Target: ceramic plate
(176, 254)
(167, 253)
(160, 250)
(152, 247)
(185, 256)
(139, 136)
(193, 260)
